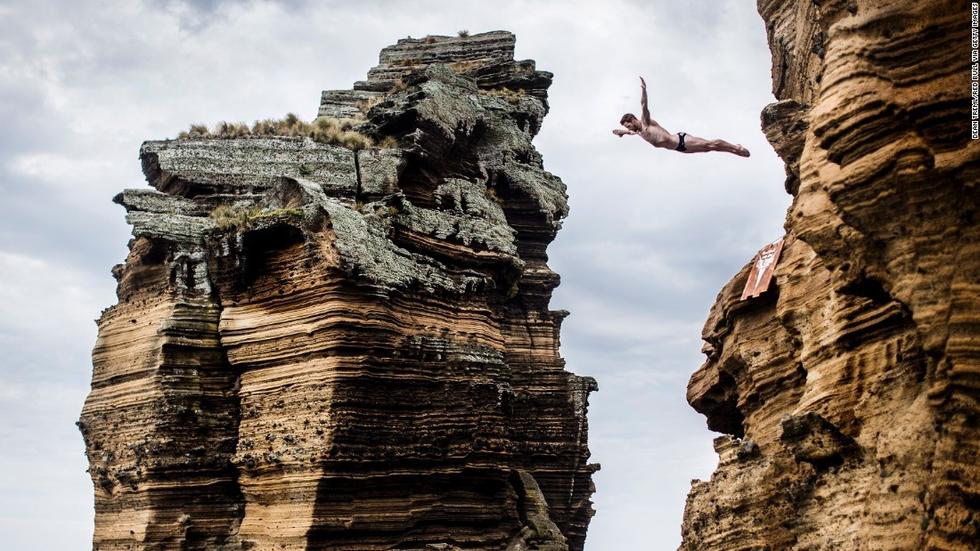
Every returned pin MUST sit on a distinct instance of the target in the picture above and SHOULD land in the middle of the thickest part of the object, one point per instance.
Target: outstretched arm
(620, 132)
(643, 103)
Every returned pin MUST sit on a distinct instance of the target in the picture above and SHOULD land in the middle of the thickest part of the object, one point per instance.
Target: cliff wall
(849, 393)
(329, 347)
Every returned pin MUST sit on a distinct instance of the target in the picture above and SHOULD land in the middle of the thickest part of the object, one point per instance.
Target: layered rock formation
(362, 355)
(850, 393)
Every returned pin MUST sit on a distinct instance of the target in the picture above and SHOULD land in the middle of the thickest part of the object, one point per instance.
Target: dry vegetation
(389, 142)
(324, 130)
(464, 66)
(507, 94)
(241, 217)
(398, 86)
(494, 196)
(365, 105)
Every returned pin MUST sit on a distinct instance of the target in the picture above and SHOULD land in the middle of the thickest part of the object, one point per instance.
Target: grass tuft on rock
(243, 217)
(323, 130)
(389, 142)
(234, 216)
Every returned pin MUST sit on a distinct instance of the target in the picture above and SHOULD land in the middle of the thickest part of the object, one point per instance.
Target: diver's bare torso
(658, 136)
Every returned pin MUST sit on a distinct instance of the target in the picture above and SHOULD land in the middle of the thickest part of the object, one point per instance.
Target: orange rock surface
(849, 394)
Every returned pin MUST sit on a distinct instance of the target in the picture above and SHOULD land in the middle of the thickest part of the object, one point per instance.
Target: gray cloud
(652, 237)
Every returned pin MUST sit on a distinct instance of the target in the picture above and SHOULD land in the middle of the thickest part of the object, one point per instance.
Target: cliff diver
(658, 136)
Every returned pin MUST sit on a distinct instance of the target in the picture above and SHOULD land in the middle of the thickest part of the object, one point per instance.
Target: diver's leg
(695, 144)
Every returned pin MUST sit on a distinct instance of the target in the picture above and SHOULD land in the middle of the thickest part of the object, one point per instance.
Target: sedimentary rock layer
(361, 355)
(849, 393)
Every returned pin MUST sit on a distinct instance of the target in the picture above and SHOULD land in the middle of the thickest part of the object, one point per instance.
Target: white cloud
(56, 168)
(41, 298)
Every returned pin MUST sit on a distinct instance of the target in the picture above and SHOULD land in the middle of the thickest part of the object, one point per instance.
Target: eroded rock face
(849, 393)
(366, 358)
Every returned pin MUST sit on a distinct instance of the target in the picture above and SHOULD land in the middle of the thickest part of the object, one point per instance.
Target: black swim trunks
(680, 141)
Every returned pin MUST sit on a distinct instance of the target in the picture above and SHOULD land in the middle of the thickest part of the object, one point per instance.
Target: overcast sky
(652, 236)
